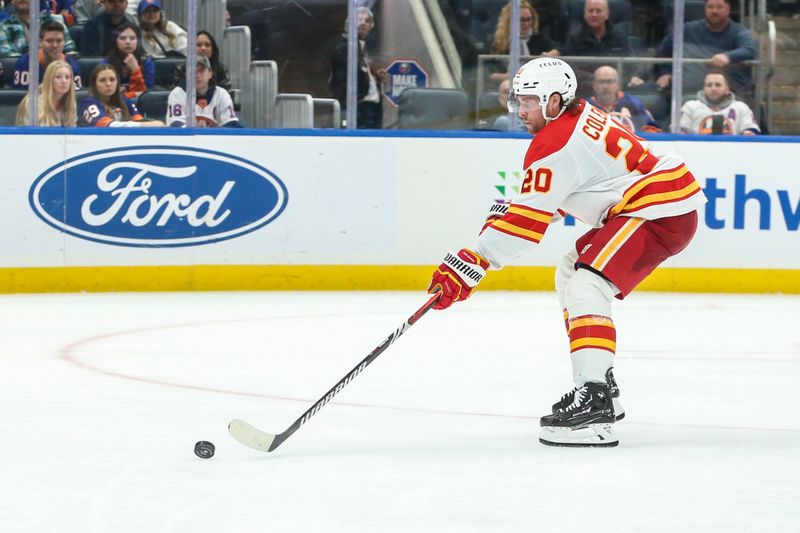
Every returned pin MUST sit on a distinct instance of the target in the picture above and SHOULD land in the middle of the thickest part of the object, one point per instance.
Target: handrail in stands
(620, 61)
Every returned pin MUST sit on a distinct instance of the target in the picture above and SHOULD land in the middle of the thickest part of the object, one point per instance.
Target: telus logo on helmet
(153, 196)
(554, 63)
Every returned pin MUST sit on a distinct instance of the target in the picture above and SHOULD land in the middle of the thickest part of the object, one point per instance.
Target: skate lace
(580, 392)
(570, 393)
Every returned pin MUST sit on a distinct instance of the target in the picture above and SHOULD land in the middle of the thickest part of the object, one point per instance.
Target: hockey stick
(266, 442)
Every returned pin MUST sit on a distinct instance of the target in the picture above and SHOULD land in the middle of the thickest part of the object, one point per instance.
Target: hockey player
(642, 208)
(213, 108)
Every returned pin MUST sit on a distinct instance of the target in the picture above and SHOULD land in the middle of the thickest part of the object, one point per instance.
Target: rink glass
(433, 44)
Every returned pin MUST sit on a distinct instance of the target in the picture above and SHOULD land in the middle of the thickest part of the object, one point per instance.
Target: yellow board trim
(361, 277)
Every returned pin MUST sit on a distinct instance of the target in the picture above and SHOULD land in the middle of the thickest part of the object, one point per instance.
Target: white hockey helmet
(542, 77)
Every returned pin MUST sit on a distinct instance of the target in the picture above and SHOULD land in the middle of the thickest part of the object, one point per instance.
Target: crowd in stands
(594, 34)
(125, 39)
(716, 38)
(128, 38)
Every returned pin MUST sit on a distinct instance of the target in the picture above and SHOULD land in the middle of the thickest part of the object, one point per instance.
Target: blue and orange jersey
(94, 113)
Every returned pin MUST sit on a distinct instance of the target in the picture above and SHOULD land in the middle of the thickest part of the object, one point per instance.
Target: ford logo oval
(157, 197)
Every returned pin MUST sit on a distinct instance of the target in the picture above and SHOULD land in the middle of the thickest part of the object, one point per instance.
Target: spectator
(51, 48)
(137, 71)
(160, 37)
(106, 106)
(501, 122)
(85, 10)
(214, 107)
(206, 47)
(59, 7)
(14, 31)
(369, 111)
(717, 110)
(532, 43)
(716, 38)
(227, 19)
(626, 109)
(99, 33)
(597, 37)
(56, 98)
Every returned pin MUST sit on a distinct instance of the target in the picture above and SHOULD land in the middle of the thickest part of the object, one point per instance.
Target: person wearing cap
(213, 107)
(160, 37)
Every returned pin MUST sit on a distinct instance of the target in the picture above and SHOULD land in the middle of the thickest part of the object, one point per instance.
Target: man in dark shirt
(597, 37)
(100, 32)
(716, 38)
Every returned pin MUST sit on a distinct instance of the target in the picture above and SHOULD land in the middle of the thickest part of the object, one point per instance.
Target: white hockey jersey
(215, 108)
(587, 165)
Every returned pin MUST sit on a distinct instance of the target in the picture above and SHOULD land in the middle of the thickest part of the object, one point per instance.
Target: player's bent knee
(564, 272)
(588, 293)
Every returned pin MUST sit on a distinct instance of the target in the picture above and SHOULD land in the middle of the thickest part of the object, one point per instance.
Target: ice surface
(102, 397)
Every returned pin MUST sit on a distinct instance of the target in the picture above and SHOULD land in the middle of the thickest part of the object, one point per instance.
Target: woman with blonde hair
(56, 98)
(532, 43)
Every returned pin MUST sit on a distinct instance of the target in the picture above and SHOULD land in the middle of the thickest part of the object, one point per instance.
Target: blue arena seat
(7, 76)
(87, 65)
(433, 109)
(153, 104)
(75, 31)
(9, 100)
(165, 70)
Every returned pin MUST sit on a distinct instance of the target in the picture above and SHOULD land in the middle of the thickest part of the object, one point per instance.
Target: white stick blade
(250, 436)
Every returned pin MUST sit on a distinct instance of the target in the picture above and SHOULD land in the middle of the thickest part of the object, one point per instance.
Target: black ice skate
(612, 385)
(569, 397)
(587, 421)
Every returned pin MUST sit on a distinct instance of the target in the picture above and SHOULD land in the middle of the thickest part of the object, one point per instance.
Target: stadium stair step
(785, 91)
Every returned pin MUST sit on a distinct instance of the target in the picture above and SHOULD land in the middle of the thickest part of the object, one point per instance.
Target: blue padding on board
(440, 134)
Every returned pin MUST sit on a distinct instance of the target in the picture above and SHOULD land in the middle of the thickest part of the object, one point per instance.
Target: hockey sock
(592, 343)
(592, 334)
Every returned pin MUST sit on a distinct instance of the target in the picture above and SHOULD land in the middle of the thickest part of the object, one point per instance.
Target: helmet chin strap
(548, 120)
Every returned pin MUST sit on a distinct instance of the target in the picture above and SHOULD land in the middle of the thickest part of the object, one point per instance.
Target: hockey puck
(204, 449)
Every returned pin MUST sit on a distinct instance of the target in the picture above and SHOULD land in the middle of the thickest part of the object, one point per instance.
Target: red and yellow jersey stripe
(666, 186)
(523, 222)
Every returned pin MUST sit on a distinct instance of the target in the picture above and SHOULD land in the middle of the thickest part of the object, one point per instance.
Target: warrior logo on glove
(457, 276)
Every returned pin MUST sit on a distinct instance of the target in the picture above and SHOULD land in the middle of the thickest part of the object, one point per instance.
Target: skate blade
(590, 436)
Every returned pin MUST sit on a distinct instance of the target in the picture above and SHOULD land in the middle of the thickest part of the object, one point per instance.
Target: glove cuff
(469, 266)
(499, 208)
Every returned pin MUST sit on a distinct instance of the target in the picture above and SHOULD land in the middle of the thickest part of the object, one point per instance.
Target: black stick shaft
(314, 409)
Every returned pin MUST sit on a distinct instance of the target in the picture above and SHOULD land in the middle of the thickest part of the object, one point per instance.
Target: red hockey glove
(499, 209)
(457, 276)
